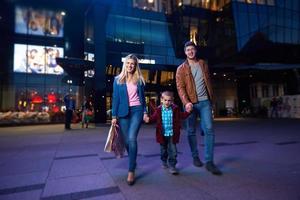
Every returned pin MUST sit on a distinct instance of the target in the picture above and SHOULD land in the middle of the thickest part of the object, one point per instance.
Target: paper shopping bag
(118, 145)
(109, 139)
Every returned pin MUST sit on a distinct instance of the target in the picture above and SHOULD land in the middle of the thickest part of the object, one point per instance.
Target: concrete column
(270, 90)
(100, 18)
(259, 90)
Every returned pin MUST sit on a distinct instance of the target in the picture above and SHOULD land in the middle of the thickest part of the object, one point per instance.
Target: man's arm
(208, 79)
(185, 114)
(181, 87)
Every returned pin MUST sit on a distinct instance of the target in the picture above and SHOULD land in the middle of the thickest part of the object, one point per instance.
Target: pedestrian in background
(70, 106)
(87, 113)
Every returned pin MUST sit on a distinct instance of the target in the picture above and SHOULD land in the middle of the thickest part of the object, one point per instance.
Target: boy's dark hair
(189, 43)
(167, 93)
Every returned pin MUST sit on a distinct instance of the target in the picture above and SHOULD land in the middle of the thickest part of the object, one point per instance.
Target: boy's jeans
(130, 126)
(203, 108)
(168, 152)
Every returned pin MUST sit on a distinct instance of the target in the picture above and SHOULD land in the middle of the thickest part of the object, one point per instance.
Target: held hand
(189, 107)
(114, 122)
(146, 118)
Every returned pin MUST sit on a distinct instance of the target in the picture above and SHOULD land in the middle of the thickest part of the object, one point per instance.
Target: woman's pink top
(133, 96)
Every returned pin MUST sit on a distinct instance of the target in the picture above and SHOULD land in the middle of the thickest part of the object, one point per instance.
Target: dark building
(52, 48)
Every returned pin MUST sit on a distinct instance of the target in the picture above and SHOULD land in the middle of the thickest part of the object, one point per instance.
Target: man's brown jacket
(186, 85)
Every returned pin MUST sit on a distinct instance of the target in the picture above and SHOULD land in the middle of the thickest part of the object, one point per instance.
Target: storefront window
(145, 74)
(153, 76)
(38, 104)
(39, 99)
(265, 91)
(109, 70)
(166, 78)
(108, 105)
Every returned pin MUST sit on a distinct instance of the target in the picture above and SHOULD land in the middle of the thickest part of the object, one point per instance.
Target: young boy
(168, 117)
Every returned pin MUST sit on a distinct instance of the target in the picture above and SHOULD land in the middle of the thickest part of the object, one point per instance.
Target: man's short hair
(189, 43)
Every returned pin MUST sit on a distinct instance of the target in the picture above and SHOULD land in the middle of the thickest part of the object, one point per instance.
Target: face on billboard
(37, 59)
(38, 22)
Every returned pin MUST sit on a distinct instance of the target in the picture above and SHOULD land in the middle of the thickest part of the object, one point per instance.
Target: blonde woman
(129, 108)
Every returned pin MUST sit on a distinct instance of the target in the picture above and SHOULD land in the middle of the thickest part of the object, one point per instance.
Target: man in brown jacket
(195, 90)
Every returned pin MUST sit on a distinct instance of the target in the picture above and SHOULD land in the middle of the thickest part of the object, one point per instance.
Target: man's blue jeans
(202, 108)
(130, 126)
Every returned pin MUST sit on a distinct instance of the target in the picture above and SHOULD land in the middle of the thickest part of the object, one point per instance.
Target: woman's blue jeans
(130, 126)
(203, 108)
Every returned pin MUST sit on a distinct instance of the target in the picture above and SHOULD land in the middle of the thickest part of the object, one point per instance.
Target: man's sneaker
(173, 171)
(165, 165)
(197, 162)
(210, 166)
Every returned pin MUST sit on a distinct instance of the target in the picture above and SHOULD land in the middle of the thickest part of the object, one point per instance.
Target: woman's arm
(144, 98)
(115, 101)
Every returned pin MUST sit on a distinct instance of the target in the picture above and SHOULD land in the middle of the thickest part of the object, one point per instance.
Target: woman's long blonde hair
(137, 76)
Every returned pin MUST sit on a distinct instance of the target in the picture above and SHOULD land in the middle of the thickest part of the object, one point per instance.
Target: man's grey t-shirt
(199, 81)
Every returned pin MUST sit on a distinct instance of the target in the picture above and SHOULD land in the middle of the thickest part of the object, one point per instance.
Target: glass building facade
(33, 84)
(278, 21)
(104, 32)
(35, 79)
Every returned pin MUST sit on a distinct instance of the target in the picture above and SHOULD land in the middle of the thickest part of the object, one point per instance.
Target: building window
(166, 77)
(145, 74)
(152, 76)
(250, 1)
(265, 91)
(194, 34)
(109, 70)
(253, 91)
(108, 105)
(146, 4)
(261, 2)
(270, 2)
(206, 4)
(275, 90)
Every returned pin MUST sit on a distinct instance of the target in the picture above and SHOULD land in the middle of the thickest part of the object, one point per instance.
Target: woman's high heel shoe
(130, 178)
(130, 182)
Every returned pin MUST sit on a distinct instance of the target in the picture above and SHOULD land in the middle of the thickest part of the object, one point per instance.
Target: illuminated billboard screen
(38, 22)
(37, 59)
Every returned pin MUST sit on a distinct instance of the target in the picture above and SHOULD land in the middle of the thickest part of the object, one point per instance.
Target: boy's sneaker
(173, 171)
(165, 165)
(197, 162)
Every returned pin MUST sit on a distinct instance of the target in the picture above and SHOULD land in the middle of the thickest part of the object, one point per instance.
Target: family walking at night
(195, 91)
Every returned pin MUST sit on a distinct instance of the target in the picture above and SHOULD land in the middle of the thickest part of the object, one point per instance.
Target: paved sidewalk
(259, 159)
